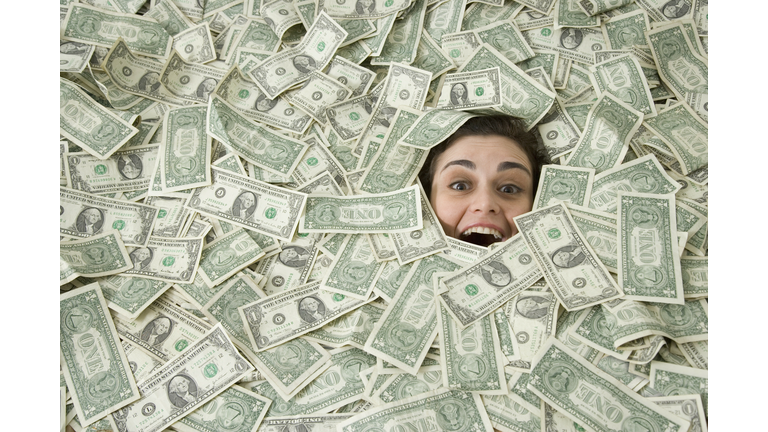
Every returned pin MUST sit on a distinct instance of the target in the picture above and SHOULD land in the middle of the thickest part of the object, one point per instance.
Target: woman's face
(480, 184)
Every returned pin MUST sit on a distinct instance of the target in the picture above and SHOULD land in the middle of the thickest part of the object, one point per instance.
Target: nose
(486, 201)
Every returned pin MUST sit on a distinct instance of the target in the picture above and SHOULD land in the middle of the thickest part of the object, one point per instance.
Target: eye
(459, 186)
(509, 189)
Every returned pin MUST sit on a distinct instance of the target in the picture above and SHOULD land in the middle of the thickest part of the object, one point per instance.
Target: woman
(482, 176)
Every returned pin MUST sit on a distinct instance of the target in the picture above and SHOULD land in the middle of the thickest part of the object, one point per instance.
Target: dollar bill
(258, 145)
(649, 265)
(142, 364)
(506, 414)
(605, 139)
(391, 279)
(680, 67)
(74, 56)
(195, 44)
(478, 289)
(138, 76)
(189, 381)
(235, 408)
(402, 41)
(354, 77)
(432, 127)
(563, 184)
(99, 255)
(292, 366)
(163, 330)
(522, 96)
(339, 385)
(268, 321)
(352, 328)
(427, 241)
(688, 407)
(124, 170)
(602, 235)
(316, 94)
(172, 260)
(471, 358)
(289, 268)
(82, 215)
(694, 272)
(280, 15)
(88, 124)
(362, 9)
(318, 160)
(670, 379)
(251, 204)
(570, 266)
(348, 118)
(169, 16)
(642, 175)
(577, 44)
(685, 134)
(95, 26)
(623, 77)
(404, 333)
(400, 386)
(171, 217)
(531, 317)
(240, 92)
(459, 46)
(315, 423)
(128, 295)
(430, 57)
(569, 14)
(186, 149)
(393, 166)
(293, 66)
(227, 255)
(94, 364)
(445, 409)
(479, 15)
(470, 90)
(626, 30)
(354, 270)
(189, 81)
(505, 38)
(570, 384)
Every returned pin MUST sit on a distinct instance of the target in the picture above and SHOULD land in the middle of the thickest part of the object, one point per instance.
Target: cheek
(449, 212)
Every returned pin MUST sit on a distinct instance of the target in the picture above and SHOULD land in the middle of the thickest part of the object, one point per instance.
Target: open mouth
(482, 236)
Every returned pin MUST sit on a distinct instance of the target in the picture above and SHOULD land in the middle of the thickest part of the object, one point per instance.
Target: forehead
(475, 148)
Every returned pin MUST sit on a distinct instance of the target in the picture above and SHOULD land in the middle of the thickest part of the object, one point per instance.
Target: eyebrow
(503, 166)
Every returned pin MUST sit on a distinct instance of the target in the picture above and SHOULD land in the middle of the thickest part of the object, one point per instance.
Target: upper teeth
(482, 230)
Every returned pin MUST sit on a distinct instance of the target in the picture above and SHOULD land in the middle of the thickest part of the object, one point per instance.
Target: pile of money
(245, 244)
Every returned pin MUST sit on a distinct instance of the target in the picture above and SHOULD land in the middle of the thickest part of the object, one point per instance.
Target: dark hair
(501, 125)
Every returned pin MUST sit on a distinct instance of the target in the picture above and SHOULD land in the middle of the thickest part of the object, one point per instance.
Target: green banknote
(506, 414)
(649, 264)
(398, 211)
(188, 381)
(124, 170)
(643, 175)
(189, 81)
(574, 386)
(236, 409)
(624, 31)
(441, 409)
(352, 328)
(402, 41)
(605, 139)
(98, 27)
(623, 77)
(479, 288)
(429, 240)
(355, 269)
(227, 255)
(685, 134)
(94, 364)
(471, 359)
(570, 266)
(289, 314)
(88, 124)
(130, 295)
(186, 149)
(680, 67)
(258, 145)
(504, 37)
(100, 255)
(432, 127)
(167, 259)
(254, 205)
(563, 184)
(670, 379)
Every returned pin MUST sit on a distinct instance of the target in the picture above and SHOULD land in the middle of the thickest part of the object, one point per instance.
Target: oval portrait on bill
(568, 256)
(533, 307)
(496, 274)
(89, 221)
(459, 94)
(311, 309)
(182, 390)
(304, 63)
(264, 104)
(141, 257)
(205, 88)
(294, 256)
(571, 38)
(675, 9)
(150, 82)
(244, 205)
(129, 166)
(157, 331)
(364, 7)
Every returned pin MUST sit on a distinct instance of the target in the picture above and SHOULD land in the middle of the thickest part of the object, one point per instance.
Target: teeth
(482, 230)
